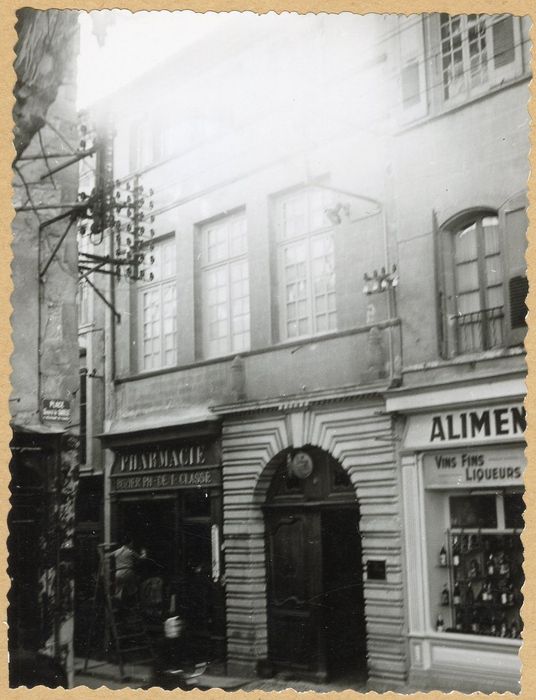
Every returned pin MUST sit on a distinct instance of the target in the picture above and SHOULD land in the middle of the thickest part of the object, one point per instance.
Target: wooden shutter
(439, 273)
(504, 39)
(514, 224)
(413, 99)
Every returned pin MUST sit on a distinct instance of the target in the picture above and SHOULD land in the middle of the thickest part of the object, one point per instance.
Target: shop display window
(481, 557)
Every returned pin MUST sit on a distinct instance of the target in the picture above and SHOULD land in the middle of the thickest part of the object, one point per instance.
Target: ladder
(124, 627)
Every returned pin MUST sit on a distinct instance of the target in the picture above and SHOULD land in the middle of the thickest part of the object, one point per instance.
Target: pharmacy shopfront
(462, 465)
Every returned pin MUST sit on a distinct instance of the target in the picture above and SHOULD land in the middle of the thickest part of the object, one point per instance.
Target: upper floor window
(445, 60)
(142, 144)
(157, 308)
(477, 51)
(482, 283)
(225, 286)
(478, 283)
(306, 263)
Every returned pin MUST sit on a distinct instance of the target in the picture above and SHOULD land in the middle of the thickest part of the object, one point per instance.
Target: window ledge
(470, 358)
(446, 110)
(284, 345)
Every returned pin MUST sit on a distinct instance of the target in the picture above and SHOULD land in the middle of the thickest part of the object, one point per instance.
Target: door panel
(344, 618)
(294, 590)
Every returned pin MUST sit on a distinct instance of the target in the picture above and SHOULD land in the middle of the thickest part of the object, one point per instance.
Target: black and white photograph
(268, 315)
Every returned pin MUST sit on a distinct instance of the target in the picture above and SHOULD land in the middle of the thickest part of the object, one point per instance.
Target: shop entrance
(316, 620)
(175, 530)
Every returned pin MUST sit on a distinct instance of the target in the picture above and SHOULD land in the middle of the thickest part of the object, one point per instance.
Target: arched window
(478, 283)
(482, 279)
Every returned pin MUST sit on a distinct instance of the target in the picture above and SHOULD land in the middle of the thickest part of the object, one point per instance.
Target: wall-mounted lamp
(338, 213)
(380, 281)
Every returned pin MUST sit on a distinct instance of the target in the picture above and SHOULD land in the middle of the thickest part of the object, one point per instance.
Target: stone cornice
(302, 401)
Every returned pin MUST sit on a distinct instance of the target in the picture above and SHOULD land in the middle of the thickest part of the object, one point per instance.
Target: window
(225, 286)
(84, 316)
(157, 305)
(478, 284)
(141, 144)
(306, 263)
(476, 52)
(410, 35)
(482, 278)
(480, 562)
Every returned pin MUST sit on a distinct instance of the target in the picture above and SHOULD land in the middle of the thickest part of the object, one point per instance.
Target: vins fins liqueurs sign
(495, 467)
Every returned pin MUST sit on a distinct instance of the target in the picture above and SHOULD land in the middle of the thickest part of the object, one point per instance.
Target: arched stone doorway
(315, 603)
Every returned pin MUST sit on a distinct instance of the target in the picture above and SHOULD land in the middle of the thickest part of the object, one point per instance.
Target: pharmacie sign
(501, 423)
(474, 468)
(158, 468)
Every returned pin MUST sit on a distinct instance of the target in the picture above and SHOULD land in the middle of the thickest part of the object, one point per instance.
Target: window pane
(468, 303)
(473, 511)
(514, 508)
(466, 244)
(467, 277)
(478, 61)
(292, 216)
(494, 270)
(503, 42)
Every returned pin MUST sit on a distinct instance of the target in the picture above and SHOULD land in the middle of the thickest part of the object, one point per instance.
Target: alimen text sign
(481, 424)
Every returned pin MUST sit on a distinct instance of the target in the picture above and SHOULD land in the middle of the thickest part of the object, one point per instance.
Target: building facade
(460, 179)
(275, 373)
(44, 365)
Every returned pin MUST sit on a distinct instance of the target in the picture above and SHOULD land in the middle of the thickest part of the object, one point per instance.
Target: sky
(134, 42)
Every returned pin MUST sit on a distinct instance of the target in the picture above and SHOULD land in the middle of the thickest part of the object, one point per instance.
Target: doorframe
(347, 500)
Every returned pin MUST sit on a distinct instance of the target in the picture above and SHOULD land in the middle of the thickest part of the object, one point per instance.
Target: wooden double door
(316, 620)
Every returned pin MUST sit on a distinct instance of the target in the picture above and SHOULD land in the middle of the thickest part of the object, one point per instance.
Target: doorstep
(140, 676)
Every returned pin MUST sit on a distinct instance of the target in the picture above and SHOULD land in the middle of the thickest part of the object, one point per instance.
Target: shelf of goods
(485, 576)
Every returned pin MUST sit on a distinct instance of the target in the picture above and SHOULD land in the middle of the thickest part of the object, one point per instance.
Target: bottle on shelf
(464, 544)
(504, 565)
(514, 630)
(469, 594)
(442, 556)
(445, 597)
(456, 552)
(474, 569)
(494, 628)
(475, 622)
(511, 593)
(490, 565)
(458, 624)
(503, 629)
(493, 594)
(456, 594)
(485, 594)
(504, 595)
(473, 542)
(440, 623)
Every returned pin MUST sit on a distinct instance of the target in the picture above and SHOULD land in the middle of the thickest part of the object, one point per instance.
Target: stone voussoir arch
(358, 437)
